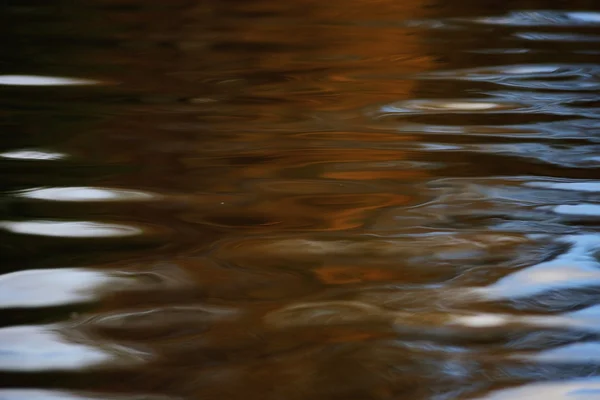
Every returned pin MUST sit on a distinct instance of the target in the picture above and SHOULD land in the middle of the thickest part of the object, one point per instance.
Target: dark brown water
(290, 200)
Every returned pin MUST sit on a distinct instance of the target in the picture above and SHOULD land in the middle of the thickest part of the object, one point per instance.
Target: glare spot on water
(433, 106)
(34, 80)
(85, 194)
(482, 320)
(33, 155)
(79, 229)
(468, 106)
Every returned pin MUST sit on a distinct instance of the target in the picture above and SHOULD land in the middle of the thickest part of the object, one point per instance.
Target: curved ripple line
(533, 76)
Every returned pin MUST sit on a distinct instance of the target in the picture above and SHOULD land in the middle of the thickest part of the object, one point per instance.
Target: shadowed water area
(290, 200)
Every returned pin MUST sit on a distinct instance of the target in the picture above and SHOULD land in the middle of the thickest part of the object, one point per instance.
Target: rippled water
(300, 200)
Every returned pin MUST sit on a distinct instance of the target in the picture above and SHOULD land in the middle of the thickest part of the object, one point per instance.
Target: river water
(341, 200)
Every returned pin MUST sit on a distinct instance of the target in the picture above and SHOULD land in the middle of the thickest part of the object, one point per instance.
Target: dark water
(300, 200)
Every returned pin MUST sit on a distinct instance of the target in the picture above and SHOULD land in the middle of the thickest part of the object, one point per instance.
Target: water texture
(341, 200)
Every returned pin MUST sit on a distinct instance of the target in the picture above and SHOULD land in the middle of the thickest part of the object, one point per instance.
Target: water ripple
(358, 200)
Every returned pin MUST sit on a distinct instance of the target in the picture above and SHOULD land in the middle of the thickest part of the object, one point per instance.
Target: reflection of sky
(587, 320)
(544, 18)
(590, 210)
(33, 394)
(569, 129)
(85, 194)
(577, 268)
(32, 154)
(585, 186)
(34, 80)
(40, 394)
(535, 76)
(50, 287)
(576, 389)
(75, 229)
(445, 106)
(39, 348)
(576, 353)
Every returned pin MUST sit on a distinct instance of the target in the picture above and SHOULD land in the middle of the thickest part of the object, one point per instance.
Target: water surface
(300, 200)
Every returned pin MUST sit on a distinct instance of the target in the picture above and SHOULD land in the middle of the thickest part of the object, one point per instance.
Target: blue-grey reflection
(55, 287)
(71, 229)
(575, 353)
(82, 193)
(543, 18)
(568, 77)
(35, 80)
(47, 394)
(573, 389)
(558, 37)
(575, 186)
(588, 210)
(45, 348)
(33, 154)
(576, 268)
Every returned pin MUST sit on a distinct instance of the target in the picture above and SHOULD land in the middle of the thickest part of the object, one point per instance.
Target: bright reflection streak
(34, 394)
(42, 394)
(33, 155)
(576, 389)
(34, 80)
(51, 287)
(78, 229)
(39, 348)
(576, 353)
(590, 210)
(577, 268)
(482, 320)
(436, 106)
(86, 194)
(585, 16)
(588, 186)
(556, 274)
